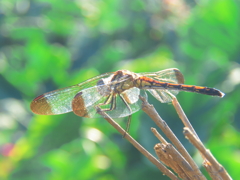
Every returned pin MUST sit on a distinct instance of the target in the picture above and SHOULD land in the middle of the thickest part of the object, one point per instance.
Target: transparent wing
(60, 101)
(163, 95)
(172, 75)
(85, 102)
(131, 97)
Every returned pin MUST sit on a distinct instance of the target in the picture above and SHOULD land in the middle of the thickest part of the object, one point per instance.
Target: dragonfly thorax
(119, 82)
(123, 80)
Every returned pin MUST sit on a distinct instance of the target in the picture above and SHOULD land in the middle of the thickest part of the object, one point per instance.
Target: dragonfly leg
(111, 99)
(129, 117)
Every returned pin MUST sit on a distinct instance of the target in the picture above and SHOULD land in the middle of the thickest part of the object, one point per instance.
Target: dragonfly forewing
(60, 101)
(55, 102)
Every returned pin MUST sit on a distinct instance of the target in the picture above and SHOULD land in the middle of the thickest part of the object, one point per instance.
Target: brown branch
(183, 116)
(211, 171)
(181, 162)
(159, 136)
(173, 159)
(217, 171)
(150, 157)
(165, 154)
(152, 113)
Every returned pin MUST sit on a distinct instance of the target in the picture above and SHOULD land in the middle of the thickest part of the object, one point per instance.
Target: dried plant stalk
(216, 170)
(150, 157)
(152, 113)
(177, 159)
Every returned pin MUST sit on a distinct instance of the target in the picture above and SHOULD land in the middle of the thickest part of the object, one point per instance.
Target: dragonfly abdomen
(148, 83)
(192, 88)
(202, 90)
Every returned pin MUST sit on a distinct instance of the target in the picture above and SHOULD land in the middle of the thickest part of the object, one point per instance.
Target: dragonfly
(116, 93)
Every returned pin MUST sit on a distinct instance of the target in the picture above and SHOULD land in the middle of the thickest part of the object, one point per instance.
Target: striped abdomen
(149, 83)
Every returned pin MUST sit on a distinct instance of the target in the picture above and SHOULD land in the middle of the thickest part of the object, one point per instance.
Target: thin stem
(183, 116)
(152, 113)
(151, 158)
(219, 169)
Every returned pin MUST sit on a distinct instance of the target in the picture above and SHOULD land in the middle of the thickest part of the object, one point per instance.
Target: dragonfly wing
(54, 102)
(129, 105)
(85, 102)
(163, 95)
(60, 101)
(172, 75)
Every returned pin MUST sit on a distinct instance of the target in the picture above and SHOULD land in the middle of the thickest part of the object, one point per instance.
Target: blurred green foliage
(45, 45)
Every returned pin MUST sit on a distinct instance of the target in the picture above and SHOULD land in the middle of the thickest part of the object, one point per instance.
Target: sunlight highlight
(102, 162)
(94, 134)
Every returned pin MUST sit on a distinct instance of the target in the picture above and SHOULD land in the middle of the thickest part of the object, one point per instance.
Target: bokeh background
(50, 44)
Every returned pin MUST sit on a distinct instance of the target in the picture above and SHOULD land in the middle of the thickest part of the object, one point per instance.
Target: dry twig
(152, 113)
(150, 110)
(216, 170)
(151, 158)
(181, 162)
